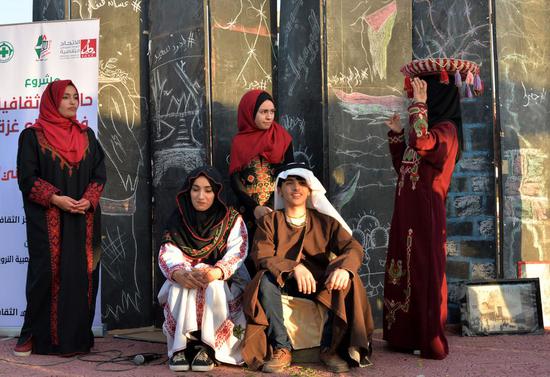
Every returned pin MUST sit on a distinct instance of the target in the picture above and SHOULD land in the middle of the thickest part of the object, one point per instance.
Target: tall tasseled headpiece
(466, 73)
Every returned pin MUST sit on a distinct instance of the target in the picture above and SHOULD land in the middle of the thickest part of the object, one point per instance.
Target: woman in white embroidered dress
(202, 254)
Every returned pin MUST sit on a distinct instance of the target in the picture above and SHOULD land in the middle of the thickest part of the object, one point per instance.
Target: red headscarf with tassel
(66, 135)
(250, 141)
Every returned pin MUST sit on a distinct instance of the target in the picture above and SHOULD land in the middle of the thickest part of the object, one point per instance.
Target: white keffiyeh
(317, 200)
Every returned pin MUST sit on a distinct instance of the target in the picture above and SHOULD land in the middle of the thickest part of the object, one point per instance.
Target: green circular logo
(6, 52)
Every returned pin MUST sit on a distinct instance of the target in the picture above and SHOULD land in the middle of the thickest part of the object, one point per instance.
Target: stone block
(469, 205)
(475, 164)
(459, 228)
(459, 184)
(477, 249)
(455, 292)
(458, 270)
(512, 185)
(531, 187)
(482, 184)
(487, 228)
(482, 138)
(483, 271)
(452, 248)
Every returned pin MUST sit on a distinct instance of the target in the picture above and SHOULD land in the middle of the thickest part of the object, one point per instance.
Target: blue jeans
(270, 298)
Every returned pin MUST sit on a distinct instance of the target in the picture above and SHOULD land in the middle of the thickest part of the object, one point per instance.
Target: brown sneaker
(23, 347)
(280, 359)
(334, 362)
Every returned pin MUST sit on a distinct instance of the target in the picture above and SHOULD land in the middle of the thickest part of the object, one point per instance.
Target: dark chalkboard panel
(123, 134)
(241, 59)
(48, 10)
(367, 42)
(300, 92)
(177, 104)
(523, 46)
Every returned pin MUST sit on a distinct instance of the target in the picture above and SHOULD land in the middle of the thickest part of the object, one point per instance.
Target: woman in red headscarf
(258, 149)
(61, 174)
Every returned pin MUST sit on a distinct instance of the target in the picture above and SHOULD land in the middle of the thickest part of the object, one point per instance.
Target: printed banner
(31, 56)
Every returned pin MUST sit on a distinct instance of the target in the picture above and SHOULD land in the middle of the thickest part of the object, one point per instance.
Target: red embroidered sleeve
(420, 137)
(418, 119)
(93, 193)
(42, 191)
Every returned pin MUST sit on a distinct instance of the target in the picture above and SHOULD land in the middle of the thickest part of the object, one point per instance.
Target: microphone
(145, 358)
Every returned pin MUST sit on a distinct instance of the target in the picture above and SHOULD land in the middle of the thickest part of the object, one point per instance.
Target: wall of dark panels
(523, 46)
(200, 64)
(126, 283)
(367, 43)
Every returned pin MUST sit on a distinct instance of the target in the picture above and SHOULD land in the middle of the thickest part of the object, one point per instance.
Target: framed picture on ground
(504, 306)
(541, 270)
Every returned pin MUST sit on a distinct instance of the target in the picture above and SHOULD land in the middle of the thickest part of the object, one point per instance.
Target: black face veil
(444, 104)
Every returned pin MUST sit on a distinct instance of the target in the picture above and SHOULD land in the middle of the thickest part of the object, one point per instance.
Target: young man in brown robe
(304, 248)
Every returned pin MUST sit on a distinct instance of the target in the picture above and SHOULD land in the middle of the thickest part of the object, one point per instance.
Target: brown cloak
(276, 249)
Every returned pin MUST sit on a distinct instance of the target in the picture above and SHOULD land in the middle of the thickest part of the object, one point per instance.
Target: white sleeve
(236, 249)
(172, 259)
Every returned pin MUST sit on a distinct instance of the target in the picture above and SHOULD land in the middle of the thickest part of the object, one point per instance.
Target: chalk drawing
(459, 37)
(344, 191)
(373, 109)
(258, 9)
(350, 78)
(526, 200)
(119, 248)
(378, 27)
(118, 110)
(370, 145)
(177, 119)
(374, 238)
(302, 154)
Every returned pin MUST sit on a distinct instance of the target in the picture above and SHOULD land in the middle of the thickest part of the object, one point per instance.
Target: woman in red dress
(415, 287)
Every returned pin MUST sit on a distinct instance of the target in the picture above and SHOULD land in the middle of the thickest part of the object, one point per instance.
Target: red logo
(88, 48)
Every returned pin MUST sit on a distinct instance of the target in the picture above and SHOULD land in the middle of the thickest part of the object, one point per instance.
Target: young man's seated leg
(270, 298)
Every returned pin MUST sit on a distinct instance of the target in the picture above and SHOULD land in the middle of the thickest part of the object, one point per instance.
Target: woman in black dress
(61, 174)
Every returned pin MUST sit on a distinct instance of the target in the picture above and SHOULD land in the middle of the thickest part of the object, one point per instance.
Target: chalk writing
(300, 68)
(531, 97)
